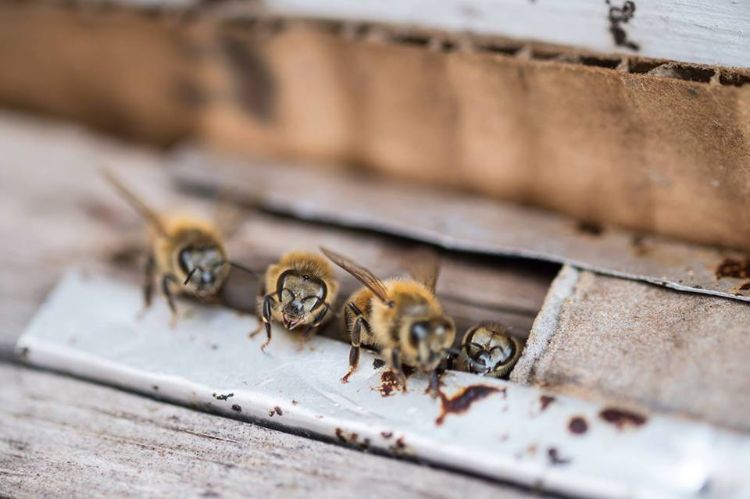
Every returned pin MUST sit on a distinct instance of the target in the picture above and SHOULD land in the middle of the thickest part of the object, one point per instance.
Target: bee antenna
(241, 267)
(189, 276)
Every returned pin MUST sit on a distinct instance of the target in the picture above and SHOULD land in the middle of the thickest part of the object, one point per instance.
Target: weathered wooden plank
(653, 145)
(66, 438)
(605, 337)
(685, 30)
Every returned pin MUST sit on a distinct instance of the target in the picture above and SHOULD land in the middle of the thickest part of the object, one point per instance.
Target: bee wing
(362, 274)
(424, 266)
(136, 202)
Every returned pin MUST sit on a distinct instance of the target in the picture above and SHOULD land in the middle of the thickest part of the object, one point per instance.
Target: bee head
(489, 350)
(429, 339)
(300, 297)
(205, 267)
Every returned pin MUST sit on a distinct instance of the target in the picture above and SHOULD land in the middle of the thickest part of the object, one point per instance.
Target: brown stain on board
(352, 438)
(545, 401)
(622, 418)
(578, 425)
(463, 400)
(617, 17)
(399, 448)
(554, 457)
(276, 410)
(734, 267)
(389, 383)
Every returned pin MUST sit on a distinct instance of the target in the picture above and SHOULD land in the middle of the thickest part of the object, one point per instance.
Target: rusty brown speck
(622, 418)
(462, 401)
(389, 383)
(554, 457)
(545, 401)
(578, 425)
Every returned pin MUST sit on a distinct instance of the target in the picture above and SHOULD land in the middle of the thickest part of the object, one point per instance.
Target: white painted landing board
(89, 327)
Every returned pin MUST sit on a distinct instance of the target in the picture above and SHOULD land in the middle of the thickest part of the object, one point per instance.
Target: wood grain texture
(607, 138)
(66, 438)
(614, 339)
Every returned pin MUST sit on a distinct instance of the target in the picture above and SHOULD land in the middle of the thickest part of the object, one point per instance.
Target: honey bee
(302, 287)
(401, 318)
(187, 255)
(488, 349)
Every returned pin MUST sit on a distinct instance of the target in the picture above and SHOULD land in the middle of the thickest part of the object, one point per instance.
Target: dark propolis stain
(734, 267)
(389, 383)
(462, 401)
(618, 16)
(255, 85)
(590, 228)
(554, 457)
(399, 447)
(155, 387)
(237, 408)
(578, 425)
(545, 401)
(352, 439)
(222, 397)
(377, 363)
(622, 418)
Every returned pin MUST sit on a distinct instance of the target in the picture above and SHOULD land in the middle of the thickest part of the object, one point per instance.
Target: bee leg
(396, 366)
(450, 358)
(308, 332)
(351, 311)
(434, 387)
(265, 320)
(149, 269)
(165, 280)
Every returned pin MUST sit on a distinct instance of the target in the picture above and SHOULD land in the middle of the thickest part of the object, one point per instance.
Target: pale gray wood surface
(62, 437)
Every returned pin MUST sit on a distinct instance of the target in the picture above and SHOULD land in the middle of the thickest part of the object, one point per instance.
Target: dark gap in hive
(691, 73)
(600, 62)
(411, 39)
(643, 67)
(734, 79)
(496, 48)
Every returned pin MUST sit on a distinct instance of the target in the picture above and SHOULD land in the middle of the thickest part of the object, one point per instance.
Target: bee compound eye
(417, 332)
